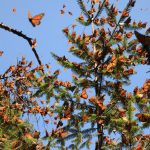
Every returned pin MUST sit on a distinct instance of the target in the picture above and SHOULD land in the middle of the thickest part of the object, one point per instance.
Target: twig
(28, 39)
(120, 19)
(5, 77)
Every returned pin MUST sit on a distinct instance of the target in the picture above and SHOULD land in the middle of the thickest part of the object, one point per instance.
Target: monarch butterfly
(1, 53)
(62, 12)
(145, 41)
(14, 10)
(143, 117)
(35, 20)
(84, 94)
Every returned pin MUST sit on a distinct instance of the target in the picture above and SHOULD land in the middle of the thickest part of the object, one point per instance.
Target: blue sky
(49, 34)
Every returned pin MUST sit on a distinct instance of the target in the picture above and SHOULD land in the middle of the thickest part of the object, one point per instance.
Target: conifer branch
(5, 77)
(130, 4)
(82, 6)
(85, 23)
(28, 39)
(100, 8)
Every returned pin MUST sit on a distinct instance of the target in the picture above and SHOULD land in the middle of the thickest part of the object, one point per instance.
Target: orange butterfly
(143, 117)
(84, 94)
(1, 53)
(35, 20)
(14, 10)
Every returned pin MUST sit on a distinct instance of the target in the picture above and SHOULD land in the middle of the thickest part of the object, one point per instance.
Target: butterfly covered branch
(31, 42)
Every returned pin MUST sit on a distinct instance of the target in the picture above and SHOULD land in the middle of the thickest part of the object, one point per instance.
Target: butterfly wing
(140, 37)
(35, 20)
(128, 20)
(145, 41)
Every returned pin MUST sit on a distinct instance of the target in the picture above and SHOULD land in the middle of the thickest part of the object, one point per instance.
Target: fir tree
(108, 56)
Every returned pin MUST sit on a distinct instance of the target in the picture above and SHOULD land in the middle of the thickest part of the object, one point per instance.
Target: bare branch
(28, 39)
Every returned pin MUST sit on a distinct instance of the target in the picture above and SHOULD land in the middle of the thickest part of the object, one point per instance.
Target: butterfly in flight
(35, 20)
(14, 10)
(145, 41)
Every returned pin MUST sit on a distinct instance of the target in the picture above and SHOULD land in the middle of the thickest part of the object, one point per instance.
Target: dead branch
(28, 39)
